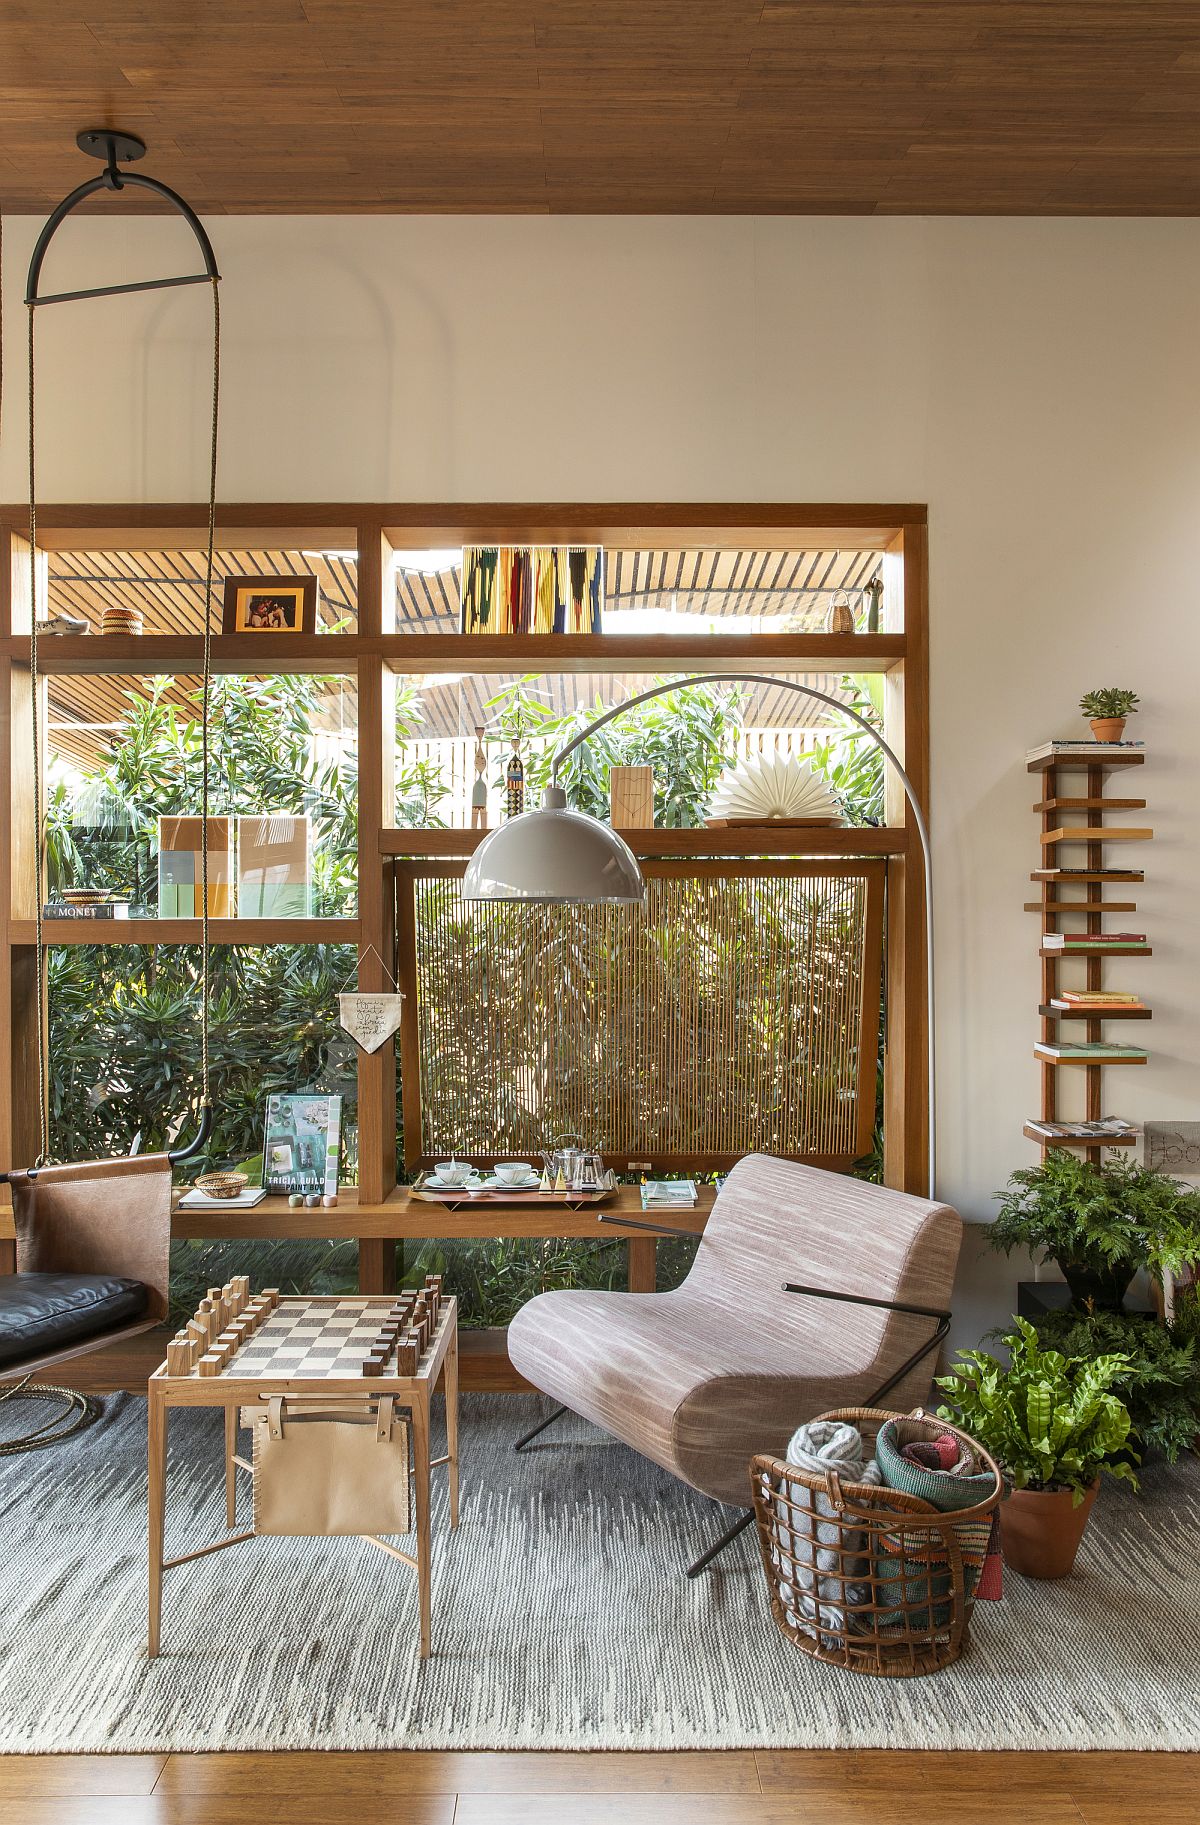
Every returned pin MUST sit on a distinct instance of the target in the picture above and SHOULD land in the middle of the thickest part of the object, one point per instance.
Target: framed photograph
(270, 605)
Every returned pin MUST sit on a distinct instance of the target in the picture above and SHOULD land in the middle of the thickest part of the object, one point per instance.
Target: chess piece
(479, 789)
(514, 781)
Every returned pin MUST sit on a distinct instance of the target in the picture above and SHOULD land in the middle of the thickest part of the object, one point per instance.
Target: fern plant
(1099, 1217)
(1051, 1421)
(1161, 1386)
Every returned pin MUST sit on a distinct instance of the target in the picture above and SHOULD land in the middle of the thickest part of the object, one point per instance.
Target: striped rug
(562, 1620)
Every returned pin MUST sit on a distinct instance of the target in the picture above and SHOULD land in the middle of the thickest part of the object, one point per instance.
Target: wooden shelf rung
(1080, 906)
(1073, 1140)
(1090, 804)
(1051, 1013)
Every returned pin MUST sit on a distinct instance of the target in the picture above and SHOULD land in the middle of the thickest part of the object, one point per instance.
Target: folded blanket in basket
(822, 1552)
(944, 1473)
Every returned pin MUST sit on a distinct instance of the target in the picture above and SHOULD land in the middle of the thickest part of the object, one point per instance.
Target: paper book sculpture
(181, 867)
(274, 872)
(773, 786)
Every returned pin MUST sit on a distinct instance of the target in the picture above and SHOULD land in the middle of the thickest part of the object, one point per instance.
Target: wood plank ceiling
(569, 106)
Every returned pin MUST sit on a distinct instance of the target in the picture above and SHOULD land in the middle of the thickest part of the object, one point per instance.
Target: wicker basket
(222, 1184)
(864, 1577)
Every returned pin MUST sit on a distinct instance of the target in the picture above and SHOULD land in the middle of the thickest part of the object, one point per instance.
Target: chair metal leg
(530, 1436)
(718, 1547)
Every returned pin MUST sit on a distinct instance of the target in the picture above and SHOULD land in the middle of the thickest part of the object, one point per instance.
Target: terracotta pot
(1108, 728)
(1041, 1530)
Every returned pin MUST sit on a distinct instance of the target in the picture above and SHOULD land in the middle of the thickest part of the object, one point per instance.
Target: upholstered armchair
(729, 1364)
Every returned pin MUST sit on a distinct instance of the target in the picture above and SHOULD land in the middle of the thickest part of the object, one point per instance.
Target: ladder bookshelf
(1075, 882)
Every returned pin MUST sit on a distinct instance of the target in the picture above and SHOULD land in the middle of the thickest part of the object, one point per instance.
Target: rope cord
(78, 1413)
(205, 694)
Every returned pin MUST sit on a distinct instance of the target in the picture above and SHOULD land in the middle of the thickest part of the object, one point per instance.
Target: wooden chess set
(305, 1337)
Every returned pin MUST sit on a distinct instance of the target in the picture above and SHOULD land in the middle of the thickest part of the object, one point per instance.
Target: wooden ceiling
(577, 106)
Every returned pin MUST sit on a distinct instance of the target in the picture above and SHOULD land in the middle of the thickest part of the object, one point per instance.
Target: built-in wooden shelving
(1058, 903)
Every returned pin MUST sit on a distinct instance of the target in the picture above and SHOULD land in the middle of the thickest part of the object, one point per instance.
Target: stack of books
(668, 1194)
(1083, 750)
(1109, 1129)
(1096, 1001)
(1074, 941)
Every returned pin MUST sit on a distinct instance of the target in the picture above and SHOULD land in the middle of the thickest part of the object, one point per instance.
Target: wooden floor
(741, 1787)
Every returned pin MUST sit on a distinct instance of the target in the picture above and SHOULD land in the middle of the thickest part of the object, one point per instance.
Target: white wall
(1037, 382)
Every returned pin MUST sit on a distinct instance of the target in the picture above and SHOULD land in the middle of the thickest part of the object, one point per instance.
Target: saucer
(467, 1184)
(530, 1184)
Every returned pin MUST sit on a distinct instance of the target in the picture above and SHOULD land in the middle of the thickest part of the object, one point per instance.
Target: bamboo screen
(734, 1012)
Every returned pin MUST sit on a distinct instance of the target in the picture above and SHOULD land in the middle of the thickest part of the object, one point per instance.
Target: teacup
(513, 1172)
(452, 1172)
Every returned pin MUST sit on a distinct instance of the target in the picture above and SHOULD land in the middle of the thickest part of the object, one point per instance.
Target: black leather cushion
(44, 1312)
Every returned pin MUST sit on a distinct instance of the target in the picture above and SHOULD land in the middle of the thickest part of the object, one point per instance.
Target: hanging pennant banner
(370, 1020)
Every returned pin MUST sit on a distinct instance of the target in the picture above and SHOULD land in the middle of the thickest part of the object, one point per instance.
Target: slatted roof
(646, 591)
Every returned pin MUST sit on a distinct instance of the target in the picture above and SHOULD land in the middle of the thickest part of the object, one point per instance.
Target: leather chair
(701, 1379)
(93, 1254)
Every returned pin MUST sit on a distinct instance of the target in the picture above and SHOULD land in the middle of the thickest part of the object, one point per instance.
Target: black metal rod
(530, 1436)
(882, 1305)
(69, 203)
(718, 1546)
(113, 291)
(654, 1229)
(194, 1146)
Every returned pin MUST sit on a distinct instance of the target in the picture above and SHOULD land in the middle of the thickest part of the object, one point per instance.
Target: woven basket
(222, 1184)
(863, 1577)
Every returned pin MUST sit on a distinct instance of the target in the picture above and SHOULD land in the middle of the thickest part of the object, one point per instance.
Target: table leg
(231, 1432)
(156, 1459)
(420, 1419)
(450, 1386)
(643, 1271)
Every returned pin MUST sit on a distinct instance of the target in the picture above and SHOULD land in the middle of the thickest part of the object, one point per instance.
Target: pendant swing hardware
(112, 146)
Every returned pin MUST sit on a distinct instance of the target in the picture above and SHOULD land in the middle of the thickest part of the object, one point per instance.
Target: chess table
(239, 1350)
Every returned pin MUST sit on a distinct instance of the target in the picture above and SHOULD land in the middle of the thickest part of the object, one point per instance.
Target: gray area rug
(562, 1619)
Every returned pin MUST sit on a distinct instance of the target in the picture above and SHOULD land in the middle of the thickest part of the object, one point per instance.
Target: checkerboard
(312, 1340)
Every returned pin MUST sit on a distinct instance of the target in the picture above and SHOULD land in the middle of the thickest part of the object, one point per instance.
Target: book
(668, 1194)
(303, 1139)
(1108, 1128)
(104, 909)
(1054, 941)
(1095, 998)
(1090, 750)
(1095, 1052)
(245, 1200)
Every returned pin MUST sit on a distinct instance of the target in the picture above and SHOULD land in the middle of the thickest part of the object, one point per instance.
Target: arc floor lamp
(555, 856)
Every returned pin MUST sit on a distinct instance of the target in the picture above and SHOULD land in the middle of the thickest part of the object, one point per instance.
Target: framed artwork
(273, 868)
(181, 867)
(270, 605)
(532, 589)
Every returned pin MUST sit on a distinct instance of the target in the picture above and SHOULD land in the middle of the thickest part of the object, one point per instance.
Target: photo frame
(270, 605)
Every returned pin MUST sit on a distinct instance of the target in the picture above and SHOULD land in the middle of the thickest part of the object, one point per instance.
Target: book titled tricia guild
(300, 1152)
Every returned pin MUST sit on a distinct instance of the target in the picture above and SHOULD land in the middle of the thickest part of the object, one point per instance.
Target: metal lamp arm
(555, 796)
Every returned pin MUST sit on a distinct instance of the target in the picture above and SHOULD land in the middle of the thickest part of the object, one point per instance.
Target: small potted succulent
(1053, 1423)
(1106, 710)
(1100, 1223)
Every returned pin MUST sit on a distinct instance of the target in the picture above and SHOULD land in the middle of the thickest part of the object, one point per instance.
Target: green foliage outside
(1050, 1423)
(124, 1028)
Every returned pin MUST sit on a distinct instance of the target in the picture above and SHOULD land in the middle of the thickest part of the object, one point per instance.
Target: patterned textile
(902, 1451)
(816, 1534)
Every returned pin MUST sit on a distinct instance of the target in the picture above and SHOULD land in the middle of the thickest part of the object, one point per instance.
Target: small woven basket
(869, 1578)
(222, 1184)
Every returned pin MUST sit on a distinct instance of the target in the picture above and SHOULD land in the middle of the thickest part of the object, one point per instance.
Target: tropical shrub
(1161, 1384)
(1050, 1421)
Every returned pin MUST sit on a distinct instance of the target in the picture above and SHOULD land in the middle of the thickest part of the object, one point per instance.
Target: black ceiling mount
(113, 147)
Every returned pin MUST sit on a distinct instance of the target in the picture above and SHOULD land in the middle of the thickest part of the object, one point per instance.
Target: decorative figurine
(514, 781)
(841, 615)
(479, 789)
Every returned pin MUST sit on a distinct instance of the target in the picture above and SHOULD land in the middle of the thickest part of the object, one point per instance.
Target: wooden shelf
(1094, 833)
(1080, 906)
(458, 844)
(1049, 1013)
(1106, 758)
(1090, 804)
(186, 931)
(182, 655)
(1098, 950)
(1066, 875)
(1073, 1140)
(1090, 1064)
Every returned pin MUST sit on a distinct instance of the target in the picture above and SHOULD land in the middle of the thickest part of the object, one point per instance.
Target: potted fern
(1054, 1424)
(1100, 1223)
(1106, 710)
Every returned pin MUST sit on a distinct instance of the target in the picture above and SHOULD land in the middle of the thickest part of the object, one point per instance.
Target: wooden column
(906, 727)
(377, 943)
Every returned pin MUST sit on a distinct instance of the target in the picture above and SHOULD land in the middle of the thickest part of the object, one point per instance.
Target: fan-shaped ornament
(773, 789)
